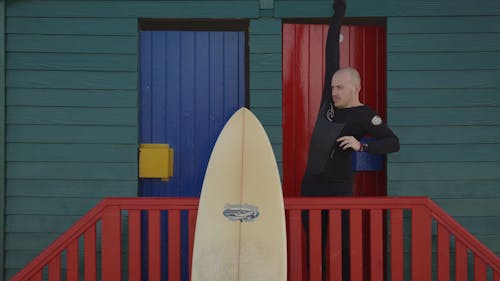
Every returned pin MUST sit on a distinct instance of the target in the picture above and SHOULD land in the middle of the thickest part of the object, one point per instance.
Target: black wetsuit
(336, 177)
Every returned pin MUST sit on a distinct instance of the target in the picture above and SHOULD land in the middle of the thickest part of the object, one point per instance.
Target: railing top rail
(297, 203)
(153, 203)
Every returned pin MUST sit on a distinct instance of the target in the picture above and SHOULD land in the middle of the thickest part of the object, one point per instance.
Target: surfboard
(240, 229)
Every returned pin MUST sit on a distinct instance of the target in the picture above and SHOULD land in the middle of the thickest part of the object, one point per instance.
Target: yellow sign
(156, 160)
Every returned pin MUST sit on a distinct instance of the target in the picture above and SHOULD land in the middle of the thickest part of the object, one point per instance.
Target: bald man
(341, 124)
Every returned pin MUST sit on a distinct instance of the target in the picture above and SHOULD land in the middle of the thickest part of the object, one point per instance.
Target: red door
(362, 47)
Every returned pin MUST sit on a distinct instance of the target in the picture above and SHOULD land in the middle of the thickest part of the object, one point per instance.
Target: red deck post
(111, 244)
(356, 235)
(90, 260)
(174, 245)
(154, 253)
(192, 215)
(421, 244)
(397, 258)
(295, 245)
(134, 245)
(315, 247)
(72, 261)
(443, 254)
(376, 246)
(461, 261)
(55, 269)
(479, 269)
(335, 238)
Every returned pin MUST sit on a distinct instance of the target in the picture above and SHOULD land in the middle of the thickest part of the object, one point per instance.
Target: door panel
(191, 84)
(362, 47)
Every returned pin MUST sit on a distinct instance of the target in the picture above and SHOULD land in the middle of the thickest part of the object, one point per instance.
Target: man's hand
(349, 142)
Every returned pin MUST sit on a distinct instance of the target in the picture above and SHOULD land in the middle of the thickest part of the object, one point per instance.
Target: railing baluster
(335, 238)
(479, 269)
(356, 237)
(192, 214)
(461, 261)
(295, 245)
(174, 245)
(315, 256)
(72, 261)
(376, 246)
(397, 258)
(134, 245)
(90, 260)
(111, 244)
(55, 269)
(443, 252)
(421, 259)
(154, 253)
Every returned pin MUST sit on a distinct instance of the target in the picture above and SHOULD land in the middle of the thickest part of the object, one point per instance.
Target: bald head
(346, 84)
(353, 74)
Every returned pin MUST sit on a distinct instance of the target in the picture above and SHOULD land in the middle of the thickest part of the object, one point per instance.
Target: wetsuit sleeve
(332, 56)
(385, 140)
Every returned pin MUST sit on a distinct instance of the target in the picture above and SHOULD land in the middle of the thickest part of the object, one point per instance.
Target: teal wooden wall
(71, 103)
(265, 78)
(444, 98)
(71, 122)
(2, 136)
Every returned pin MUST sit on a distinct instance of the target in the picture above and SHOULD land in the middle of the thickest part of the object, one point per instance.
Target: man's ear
(358, 88)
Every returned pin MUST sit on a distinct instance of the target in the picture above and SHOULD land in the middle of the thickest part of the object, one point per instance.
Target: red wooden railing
(406, 225)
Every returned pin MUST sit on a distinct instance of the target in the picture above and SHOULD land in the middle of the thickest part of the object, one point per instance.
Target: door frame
(189, 25)
(348, 22)
(371, 22)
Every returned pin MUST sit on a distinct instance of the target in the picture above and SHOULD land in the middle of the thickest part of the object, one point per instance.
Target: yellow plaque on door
(156, 160)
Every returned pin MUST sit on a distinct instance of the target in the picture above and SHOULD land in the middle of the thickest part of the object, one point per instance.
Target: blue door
(191, 84)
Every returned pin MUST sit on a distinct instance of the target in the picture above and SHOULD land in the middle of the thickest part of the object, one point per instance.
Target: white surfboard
(240, 229)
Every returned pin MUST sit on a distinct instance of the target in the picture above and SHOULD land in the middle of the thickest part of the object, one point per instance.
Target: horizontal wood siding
(136, 9)
(387, 8)
(444, 103)
(71, 121)
(2, 137)
(71, 108)
(265, 78)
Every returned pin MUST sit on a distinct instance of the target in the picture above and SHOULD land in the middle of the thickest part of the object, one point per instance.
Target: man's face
(343, 90)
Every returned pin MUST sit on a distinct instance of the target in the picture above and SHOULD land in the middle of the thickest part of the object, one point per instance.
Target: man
(341, 123)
